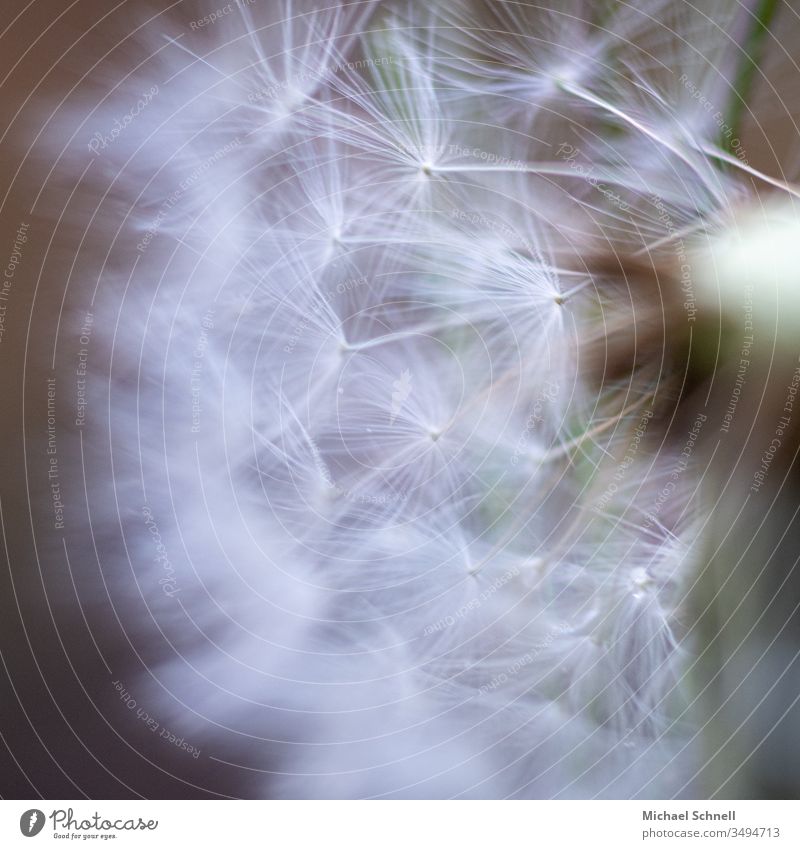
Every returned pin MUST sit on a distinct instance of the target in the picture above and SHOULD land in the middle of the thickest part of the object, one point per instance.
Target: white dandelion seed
(430, 542)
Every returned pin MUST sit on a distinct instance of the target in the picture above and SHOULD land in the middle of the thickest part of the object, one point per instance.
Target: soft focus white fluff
(400, 569)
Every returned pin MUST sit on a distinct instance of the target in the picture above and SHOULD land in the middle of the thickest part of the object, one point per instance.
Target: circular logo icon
(31, 822)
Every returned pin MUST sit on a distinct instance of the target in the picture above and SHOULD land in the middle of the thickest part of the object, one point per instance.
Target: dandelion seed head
(425, 512)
